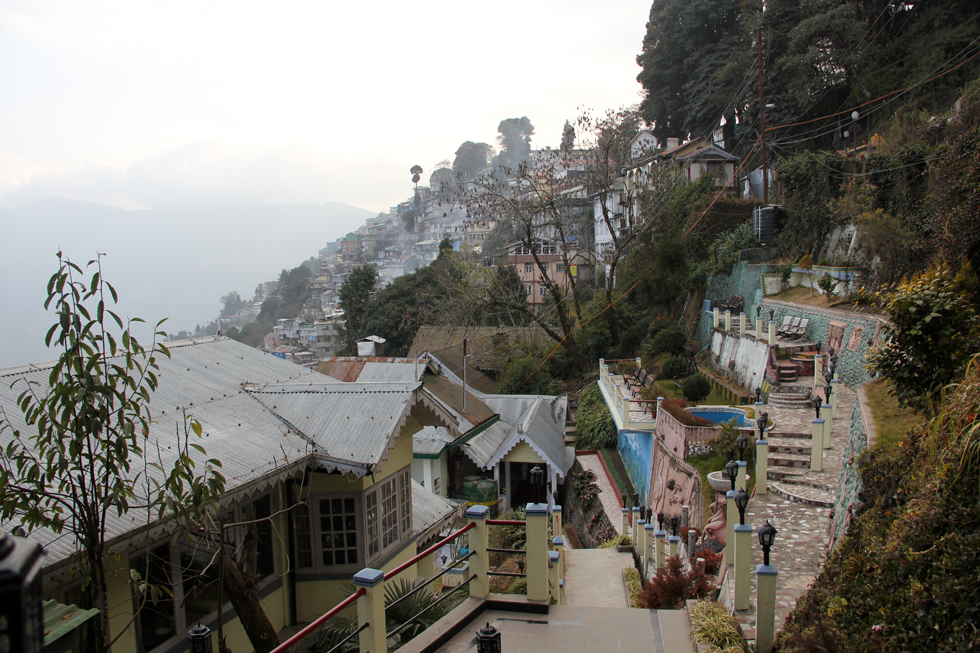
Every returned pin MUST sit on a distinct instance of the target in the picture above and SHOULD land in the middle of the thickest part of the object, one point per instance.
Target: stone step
(788, 401)
(780, 435)
(789, 460)
(811, 480)
(778, 473)
(805, 494)
(795, 446)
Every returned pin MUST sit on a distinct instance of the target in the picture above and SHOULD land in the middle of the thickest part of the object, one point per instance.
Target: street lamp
(826, 392)
(817, 403)
(537, 480)
(742, 442)
(767, 535)
(636, 499)
(624, 501)
(762, 420)
(674, 523)
(741, 502)
(731, 471)
(200, 638)
(21, 614)
(660, 520)
(488, 639)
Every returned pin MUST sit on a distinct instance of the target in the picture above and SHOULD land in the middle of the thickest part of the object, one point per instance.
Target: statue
(715, 528)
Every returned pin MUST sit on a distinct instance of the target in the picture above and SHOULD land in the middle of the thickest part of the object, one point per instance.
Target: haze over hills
(164, 263)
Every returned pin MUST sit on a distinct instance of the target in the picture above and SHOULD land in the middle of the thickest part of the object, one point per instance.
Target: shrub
(726, 444)
(673, 367)
(658, 324)
(677, 409)
(712, 560)
(696, 388)
(671, 586)
(785, 273)
(594, 425)
(827, 284)
(631, 577)
(619, 540)
(713, 626)
(670, 340)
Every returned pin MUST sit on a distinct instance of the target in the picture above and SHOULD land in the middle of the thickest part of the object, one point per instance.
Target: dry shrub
(671, 586)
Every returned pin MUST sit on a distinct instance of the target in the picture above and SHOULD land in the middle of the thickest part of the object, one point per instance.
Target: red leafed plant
(712, 560)
(671, 586)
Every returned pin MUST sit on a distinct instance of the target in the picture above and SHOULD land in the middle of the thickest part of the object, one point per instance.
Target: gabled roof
(431, 440)
(371, 369)
(536, 426)
(710, 152)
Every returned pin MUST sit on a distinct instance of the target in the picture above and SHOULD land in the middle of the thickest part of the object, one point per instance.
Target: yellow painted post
(602, 368)
(537, 551)
(660, 546)
(816, 446)
(672, 543)
(639, 539)
(732, 519)
(636, 518)
(650, 542)
(743, 563)
(479, 540)
(371, 610)
(828, 423)
(759, 333)
(742, 478)
(741, 324)
(556, 524)
(558, 544)
(728, 320)
(761, 466)
(765, 607)
(553, 580)
(834, 387)
(716, 317)
(817, 370)
(626, 522)
(772, 333)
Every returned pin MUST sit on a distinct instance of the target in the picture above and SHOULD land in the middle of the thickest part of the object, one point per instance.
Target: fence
(544, 573)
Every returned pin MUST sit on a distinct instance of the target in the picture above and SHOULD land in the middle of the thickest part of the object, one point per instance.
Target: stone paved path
(594, 578)
(801, 542)
(607, 491)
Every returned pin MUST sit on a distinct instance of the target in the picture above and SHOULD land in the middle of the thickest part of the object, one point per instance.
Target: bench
(678, 386)
(734, 305)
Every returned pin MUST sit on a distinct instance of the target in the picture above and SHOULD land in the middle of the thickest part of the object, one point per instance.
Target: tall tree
(355, 298)
(686, 43)
(472, 159)
(567, 137)
(514, 139)
(78, 454)
(231, 304)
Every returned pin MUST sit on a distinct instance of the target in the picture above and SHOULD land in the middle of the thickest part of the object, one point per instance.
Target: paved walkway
(575, 629)
(608, 494)
(801, 541)
(594, 578)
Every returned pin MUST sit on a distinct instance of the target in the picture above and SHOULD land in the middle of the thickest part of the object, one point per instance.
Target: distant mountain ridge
(165, 263)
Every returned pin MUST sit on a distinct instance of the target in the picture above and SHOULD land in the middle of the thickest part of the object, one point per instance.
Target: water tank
(767, 220)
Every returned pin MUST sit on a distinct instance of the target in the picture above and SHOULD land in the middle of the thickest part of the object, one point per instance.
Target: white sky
(173, 103)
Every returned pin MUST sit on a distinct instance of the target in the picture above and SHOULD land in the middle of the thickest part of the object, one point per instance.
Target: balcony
(629, 410)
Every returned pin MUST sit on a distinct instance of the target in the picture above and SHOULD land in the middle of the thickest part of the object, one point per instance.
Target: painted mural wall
(743, 356)
(636, 450)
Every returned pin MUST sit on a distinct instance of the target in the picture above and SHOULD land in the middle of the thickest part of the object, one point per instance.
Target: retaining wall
(850, 485)
(586, 522)
(636, 450)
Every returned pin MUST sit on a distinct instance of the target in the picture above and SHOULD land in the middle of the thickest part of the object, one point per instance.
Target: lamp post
(742, 442)
(21, 612)
(765, 605)
(731, 470)
(488, 639)
(743, 552)
(675, 524)
(200, 639)
(660, 520)
(537, 480)
(762, 455)
(816, 403)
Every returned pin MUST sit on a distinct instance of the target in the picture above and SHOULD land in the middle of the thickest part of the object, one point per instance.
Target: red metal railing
(432, 549)
(327, 616)
(506, 522)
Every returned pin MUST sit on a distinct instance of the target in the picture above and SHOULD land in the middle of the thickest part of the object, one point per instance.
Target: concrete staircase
(789, 462)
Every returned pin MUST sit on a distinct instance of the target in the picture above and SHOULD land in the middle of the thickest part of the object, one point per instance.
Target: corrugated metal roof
(372, 369)
(431, 513)
(484, 445)
(511, 407)
(539, 430)
(61, 619)
(261, 417)
(431, 440)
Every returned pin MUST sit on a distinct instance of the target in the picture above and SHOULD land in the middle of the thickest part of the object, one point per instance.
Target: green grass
(891, 421)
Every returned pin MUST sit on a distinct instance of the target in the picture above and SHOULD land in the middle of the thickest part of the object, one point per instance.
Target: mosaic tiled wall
(850, 477)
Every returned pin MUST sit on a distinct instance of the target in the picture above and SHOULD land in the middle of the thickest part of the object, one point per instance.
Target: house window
(304, 544)
(338, 531)
(528, 268)
(390, 501)
(559, 268)
(542, 290)
(258, 557)
(371, 514)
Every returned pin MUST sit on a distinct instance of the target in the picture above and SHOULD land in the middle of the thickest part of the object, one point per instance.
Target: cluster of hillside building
(408, 236)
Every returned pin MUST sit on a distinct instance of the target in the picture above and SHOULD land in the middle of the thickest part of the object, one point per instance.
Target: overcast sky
(169, 104)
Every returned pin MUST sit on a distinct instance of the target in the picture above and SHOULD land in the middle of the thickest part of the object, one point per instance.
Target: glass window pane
(349, 505)
(338, 523)
(328, 557)
(337, 506)
(352, 539)
(351, 556)
(341, 559)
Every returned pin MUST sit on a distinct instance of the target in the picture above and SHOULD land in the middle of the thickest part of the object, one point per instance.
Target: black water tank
(767, 220)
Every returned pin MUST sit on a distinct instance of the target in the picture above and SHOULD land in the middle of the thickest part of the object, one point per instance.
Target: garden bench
(678, 386)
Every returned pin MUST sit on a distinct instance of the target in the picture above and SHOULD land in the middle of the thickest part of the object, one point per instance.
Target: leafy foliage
(905, 576)
(84, 457)
(714, 627)
(670, 340)
(673, 368)
(696, 387)
(672, 585)
(631, 578)
(594, 425)
(932, 333)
